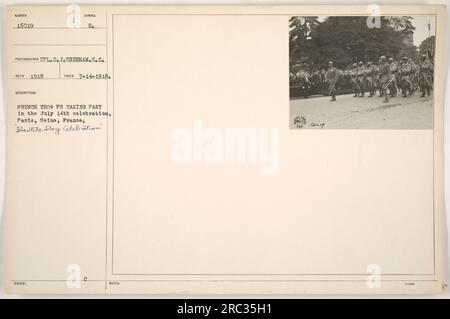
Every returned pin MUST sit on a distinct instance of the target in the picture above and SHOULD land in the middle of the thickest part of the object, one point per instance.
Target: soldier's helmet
(424, 56)
(405, 58)
(369, 63)
(355, 65)
(382, 58)
(361, 63)
(330, 63)
(391, 60)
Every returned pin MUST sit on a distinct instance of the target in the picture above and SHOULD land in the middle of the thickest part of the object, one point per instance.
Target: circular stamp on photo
(299, 121)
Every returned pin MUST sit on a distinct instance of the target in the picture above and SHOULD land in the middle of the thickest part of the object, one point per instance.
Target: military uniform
(394, 76)
(414, 75)
(426, 74)
(405, 73)
(354, 78)
(385, 77)
(370, 78)
(360, 74)
(331, 77)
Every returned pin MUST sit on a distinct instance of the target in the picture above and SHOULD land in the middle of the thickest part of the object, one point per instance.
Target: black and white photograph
(361, 72)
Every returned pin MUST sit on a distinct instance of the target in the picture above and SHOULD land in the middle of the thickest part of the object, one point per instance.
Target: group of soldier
(388, 77)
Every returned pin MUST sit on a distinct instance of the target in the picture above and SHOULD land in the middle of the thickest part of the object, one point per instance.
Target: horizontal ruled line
(57, 79)
(230, 280)
(49, 62)
(58, 28)
(60, 44)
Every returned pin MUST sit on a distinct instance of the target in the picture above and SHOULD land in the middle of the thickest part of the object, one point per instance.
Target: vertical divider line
(107, 151)
(113, 120)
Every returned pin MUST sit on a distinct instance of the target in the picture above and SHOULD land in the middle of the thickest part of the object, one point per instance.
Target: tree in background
(300, 39)
(314, 41)
(427, 47)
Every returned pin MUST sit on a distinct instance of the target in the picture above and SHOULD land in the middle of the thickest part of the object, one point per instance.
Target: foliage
(427, 46)
(314, 41)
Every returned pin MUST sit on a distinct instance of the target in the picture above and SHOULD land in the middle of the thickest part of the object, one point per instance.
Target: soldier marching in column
(388, 77)
(332, 76)
(384, 78)
(425, 75)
